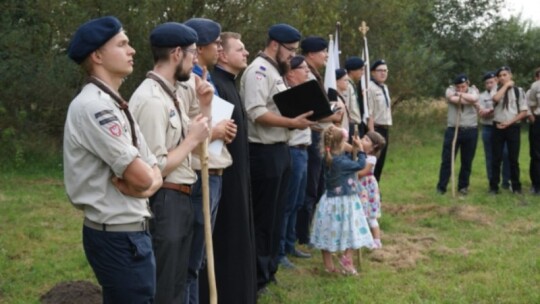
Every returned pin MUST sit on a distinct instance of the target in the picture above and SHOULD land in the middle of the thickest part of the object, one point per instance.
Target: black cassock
(234, 235)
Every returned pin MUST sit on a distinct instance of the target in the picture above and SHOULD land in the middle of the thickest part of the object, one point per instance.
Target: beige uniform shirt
(189, 94)
(533, 98)
(379, 108)
(468, 116)
(319, 125)
(515, 106)
(98, 146)
(485, 101)
(351, 102)
(259, 83)
(162, 126)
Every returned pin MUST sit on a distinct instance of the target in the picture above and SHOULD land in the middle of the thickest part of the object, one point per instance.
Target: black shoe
(263, 291)
(505, 186)
(440, 191)
(300, 254)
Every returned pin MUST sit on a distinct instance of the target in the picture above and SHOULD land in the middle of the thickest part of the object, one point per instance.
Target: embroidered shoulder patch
(115, 130)
(262, 67)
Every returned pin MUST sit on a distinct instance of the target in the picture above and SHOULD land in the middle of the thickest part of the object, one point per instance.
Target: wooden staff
(454, 141)
(207, 222)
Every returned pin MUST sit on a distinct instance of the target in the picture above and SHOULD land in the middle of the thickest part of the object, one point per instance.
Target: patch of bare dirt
(80, 292)
(416, 212)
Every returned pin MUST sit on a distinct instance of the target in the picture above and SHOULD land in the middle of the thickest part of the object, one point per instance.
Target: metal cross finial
(363, 28)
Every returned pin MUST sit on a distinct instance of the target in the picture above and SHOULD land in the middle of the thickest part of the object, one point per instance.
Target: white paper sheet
(221, 109)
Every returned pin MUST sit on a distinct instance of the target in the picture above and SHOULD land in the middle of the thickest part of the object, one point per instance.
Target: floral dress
(369, 192)
(339, 222)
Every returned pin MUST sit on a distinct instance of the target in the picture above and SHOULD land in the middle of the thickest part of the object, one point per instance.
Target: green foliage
(424, 42)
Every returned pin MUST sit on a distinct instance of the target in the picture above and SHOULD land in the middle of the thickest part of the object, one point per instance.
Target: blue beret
(284, 33)
(461, 78)
(503, 68)
(488, 75)
(340, 73)
(313, 44)
(172, 34)
(296, 61)
(354, 63)
(91, 36)
(377, 63)
(207, 30)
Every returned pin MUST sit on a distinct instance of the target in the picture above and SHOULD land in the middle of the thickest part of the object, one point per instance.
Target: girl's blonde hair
(331, 142)
(378, 142)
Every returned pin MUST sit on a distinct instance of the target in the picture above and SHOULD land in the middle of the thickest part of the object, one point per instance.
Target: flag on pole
(336, 48)
(365, 79)
(330, 72)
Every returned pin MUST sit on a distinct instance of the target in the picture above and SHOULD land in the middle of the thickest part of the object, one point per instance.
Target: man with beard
(171, 136)
(379, 107)
(268, 133)
(208, 47)
(109, 172)
(234, 235)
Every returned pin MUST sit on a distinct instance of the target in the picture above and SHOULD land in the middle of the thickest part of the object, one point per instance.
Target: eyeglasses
(289, 48)
(302, 66)
(382, 71)
(192, 51)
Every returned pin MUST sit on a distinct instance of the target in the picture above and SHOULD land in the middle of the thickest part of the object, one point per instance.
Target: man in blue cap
(462, 102)
(510, 108)
(109, 172)
(358, 105)
(380, 108)
(315, 51)
(208, 46)
(171, 137)
(533, 101)
(485, 102)
(268, 133)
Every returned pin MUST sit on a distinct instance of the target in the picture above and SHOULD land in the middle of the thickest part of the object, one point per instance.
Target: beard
(181, 75)
(283, 66)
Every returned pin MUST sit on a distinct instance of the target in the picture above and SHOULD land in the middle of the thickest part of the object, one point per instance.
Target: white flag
(365, 79)
(336, 51)
(330, 72)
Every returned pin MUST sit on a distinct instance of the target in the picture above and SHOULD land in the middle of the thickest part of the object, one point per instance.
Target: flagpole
(365, 78)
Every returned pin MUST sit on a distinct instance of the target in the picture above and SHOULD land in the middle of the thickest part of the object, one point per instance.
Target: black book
(304, 98)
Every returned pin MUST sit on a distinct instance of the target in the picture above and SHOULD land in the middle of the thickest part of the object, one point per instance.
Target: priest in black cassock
(234, 235)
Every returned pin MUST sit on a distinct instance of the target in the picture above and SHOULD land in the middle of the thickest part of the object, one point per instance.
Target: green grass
(437, 249)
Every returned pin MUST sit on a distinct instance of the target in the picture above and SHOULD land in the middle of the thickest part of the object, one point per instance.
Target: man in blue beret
(380, 108)
(358, 104)
(315, 51)
(208, 46)
(109, 171)
(510, 107)
(533, 102)
(485, 102)
(171, 136)
(268, 133)
(462, 102)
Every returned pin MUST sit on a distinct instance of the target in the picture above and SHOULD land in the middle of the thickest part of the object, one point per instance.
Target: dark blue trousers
(534, 151)
(123, 263)
(512, 138)
(466, 143)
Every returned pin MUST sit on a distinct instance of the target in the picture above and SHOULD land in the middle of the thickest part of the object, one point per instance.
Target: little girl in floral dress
(369, 193)
(339, 223)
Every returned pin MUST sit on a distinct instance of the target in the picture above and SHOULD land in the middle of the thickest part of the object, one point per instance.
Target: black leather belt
(301, 147)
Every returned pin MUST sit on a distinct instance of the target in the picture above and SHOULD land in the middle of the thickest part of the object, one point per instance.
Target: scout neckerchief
(122, 104)
(171, 94)
(384, 92)
(506, 99)
(359, 99)
(271, 61)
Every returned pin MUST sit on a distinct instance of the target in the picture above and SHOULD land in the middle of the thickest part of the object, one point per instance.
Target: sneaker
(285, 263)
(463, 191)
(300, 254)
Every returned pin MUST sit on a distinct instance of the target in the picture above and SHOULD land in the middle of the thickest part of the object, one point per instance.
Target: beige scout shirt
(259, 83)
(485, 101)
(319, 125)
(468, 116)
(503, 114)
(351, 101)
(162, 126)
(533, 99)
(379, 110)
(189, 96)
(98, 146)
